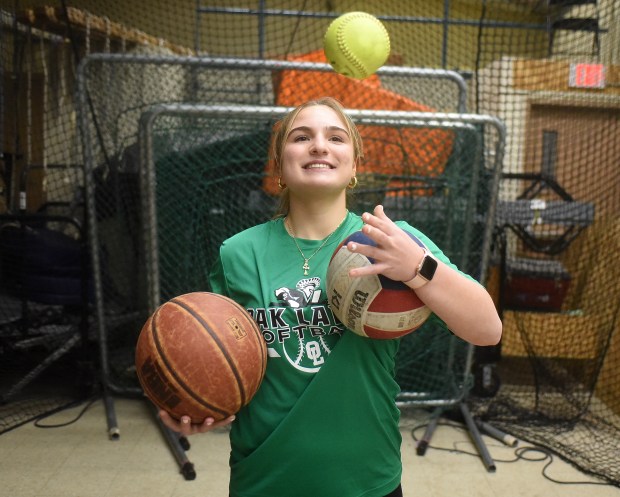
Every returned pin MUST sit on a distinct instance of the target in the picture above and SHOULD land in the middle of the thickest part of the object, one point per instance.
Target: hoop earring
(353, 183)
(280, 185)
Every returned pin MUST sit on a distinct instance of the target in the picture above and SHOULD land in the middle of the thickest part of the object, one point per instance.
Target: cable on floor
(87, 403)
(530, 453)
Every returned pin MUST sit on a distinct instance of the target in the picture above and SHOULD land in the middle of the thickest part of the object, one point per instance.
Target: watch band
(424, 272)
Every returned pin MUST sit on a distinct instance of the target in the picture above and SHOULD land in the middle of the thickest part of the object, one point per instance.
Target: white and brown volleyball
(372, 306)
(200, 354)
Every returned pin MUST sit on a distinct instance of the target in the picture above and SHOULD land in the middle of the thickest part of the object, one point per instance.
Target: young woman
(324, 422)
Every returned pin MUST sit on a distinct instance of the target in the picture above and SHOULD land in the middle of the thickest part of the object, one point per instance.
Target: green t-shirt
(324, 421)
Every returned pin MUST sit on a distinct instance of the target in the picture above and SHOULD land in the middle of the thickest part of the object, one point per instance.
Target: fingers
(393, 252)
(182, 426)
(380, 228)
(378, 219)
(185, 427)
(169, 421)
(224, 422)
(378, 211)
(368, 251)
(378, 225)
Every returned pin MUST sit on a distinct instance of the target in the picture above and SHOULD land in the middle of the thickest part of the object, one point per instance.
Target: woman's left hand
(396, 255)
(462, 303)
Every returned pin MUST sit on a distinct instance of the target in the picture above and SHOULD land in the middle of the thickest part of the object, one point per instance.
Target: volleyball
(372, 306)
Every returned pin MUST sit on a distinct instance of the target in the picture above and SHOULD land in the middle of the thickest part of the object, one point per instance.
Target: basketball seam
(215, 338)
(170, 369)
(253, 326)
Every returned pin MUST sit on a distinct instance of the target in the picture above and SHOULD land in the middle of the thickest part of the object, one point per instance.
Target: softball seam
(351, 57)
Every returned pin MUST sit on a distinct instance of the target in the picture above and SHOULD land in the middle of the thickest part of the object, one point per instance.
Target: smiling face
(318, 154)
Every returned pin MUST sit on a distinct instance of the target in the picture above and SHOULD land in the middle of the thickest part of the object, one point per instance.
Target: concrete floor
(79, 460)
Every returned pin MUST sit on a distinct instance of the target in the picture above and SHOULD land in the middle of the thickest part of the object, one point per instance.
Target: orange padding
(387, 150)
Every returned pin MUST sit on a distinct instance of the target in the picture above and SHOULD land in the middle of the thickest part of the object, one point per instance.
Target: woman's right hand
(185, 427)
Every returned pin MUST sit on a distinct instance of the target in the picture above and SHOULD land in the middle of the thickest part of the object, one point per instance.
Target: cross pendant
(306, 267)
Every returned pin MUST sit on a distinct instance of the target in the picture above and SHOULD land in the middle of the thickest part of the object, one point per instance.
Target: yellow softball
(356, 44)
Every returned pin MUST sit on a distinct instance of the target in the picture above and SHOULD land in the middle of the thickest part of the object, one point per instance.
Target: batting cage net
(95, 95)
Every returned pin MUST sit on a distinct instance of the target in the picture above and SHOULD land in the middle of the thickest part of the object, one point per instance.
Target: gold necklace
(291, 233)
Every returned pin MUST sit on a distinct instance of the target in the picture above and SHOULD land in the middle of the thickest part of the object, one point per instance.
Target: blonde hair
(283, 127)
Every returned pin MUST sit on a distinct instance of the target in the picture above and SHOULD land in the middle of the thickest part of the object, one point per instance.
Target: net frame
(456, 386)
(95, 146)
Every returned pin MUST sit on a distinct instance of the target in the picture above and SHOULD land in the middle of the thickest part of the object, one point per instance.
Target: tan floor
(80, 461)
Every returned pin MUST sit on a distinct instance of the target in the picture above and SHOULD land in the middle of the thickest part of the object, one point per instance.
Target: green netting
(202, 194)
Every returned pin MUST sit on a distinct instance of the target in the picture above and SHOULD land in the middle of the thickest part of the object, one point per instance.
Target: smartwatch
(425, 271)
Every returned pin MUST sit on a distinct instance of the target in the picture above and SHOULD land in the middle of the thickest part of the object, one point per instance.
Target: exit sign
(587, 76)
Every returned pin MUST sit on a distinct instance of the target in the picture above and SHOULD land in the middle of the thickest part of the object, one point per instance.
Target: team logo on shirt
(299, 326)
(304, 293)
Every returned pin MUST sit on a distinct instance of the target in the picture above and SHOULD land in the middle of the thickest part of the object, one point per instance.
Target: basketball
(202, 355)
(372, 306)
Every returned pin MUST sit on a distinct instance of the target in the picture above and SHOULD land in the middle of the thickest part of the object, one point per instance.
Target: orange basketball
(201, 355)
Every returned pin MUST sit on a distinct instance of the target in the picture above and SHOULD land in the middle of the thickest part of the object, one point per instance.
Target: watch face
(428, 268)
